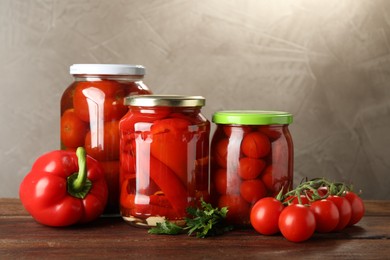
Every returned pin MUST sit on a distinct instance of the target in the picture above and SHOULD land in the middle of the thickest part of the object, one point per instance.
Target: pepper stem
(78, 183)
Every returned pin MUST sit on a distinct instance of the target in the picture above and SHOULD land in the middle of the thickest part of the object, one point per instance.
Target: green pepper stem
(78, 183)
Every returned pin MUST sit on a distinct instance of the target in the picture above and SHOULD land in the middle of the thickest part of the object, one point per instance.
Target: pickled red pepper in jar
(251, 157)
(164, 158)
(91, 108)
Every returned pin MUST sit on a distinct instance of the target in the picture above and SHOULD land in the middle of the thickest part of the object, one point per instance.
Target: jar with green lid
(164, 158)
(251, 158)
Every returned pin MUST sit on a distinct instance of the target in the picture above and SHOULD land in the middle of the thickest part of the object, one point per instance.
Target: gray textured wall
(326, 61)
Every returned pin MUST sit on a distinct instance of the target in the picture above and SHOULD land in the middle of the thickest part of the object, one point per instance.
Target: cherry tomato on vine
(297, 223)
(265, 214)
(326, 214)
(357, 207)
(294, 200)
(345, 211)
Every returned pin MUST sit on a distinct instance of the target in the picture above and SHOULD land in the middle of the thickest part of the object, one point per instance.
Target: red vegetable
(265, 215)
(64, 188)
(326, 214)
(255, 145)
(345, 211)
(297, 223)
(357, 207)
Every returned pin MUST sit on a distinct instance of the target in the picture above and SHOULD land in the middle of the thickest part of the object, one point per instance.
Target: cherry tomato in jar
(297, 223)
(240, 130)
(250, 168)
(252, 190)
(238, 209)
(256, 145)
(220, 152)
(96, 97)
(103, 143)
(73, 129)
(247, 153)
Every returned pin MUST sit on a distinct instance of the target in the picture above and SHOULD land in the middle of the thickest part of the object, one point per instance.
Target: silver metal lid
(106, 69)
(165, 100)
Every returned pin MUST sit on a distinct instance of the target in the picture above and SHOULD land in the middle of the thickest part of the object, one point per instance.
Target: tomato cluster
(90, 114)
(314, 206)
(249, 162)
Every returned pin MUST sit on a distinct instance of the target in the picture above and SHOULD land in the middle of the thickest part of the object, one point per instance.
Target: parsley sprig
(204, 222)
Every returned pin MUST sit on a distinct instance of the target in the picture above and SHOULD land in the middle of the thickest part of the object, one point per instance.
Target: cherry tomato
(221, 150)
(220, 180)
(357, 207)
(99, 98)
(239, 209)
(326, 214)
(271, 131)
(322, 192)
(345, 211)
(114, 109)
(297, 223)
(274, 179)
(294, 200)
(250, 168)
(73, 129)
(265, 214)
(228, 130)
(252, 190)
(255, 145)
(104, 145)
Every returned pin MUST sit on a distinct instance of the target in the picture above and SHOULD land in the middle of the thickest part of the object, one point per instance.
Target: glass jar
(164, 158)
(251, 157)
(91, 108)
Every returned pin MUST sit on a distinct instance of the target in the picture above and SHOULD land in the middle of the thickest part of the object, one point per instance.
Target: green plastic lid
(252, 117)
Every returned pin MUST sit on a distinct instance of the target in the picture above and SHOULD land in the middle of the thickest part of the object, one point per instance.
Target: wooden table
(22, 237)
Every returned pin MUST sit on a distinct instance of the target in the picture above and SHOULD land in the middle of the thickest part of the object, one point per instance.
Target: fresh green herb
(207, 221)
(167, 228)
(204, 222)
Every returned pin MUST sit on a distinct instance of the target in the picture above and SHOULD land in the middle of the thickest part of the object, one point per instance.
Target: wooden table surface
(22, 237)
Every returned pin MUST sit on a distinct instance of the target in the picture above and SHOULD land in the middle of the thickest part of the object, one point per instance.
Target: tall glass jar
(251, 157)
(164, 158)
(91, 108)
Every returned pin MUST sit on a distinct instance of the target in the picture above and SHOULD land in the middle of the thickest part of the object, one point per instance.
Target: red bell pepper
(64, 188)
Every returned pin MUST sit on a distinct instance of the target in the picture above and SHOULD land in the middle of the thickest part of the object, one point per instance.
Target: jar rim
(165, 100)
(252, 117)
(106, 69)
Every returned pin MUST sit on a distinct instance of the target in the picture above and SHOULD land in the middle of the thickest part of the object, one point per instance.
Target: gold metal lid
(165, 101)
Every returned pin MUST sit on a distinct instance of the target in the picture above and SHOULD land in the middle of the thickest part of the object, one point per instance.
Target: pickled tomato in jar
(251, 158)
(91, 108)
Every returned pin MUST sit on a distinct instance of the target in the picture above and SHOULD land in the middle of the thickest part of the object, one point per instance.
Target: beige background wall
(326, 61)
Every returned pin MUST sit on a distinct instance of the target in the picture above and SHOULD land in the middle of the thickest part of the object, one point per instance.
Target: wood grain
(22, 237)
